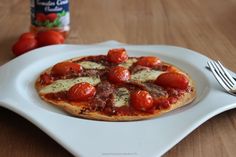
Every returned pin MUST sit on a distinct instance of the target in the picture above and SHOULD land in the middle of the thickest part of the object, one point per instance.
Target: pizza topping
(66, 68)
(149, 61)
(155, 90)
(161, 103)
(137, 68)
(172, 80)
(81, 92)
(105, 89)
(119, 75)
(62, 95)
(46, 79)
(64, 85)
(128, 63)
(117, 55)
(141, 100)
(91, 65)
(121, 97)
(145, 75)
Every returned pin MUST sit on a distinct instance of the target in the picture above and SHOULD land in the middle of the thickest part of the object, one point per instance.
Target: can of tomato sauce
(50, 15)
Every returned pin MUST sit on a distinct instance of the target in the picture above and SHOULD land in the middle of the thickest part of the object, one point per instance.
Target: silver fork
(223, 76)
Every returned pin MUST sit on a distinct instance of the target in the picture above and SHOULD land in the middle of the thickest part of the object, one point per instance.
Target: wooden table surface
(206, 26)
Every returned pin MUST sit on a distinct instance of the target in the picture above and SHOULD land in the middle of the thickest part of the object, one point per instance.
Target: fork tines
(223, 76)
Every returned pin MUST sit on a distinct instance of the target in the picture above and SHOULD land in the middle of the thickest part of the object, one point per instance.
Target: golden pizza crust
(80, 110)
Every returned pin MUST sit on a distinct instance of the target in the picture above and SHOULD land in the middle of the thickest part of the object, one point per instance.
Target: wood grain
(206, 26)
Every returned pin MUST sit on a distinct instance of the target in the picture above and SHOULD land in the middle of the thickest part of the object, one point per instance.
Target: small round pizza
(116, 87)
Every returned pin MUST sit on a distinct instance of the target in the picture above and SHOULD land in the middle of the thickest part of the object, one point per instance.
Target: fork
(223, 76)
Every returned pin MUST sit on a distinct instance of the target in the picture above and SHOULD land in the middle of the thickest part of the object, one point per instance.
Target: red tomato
(119, 74)
(45, 79)
(51, 17)
(81, 92)
(142, 100)
(161, 103)
(171, 69)
(50, 38)
(149, 61)
(27, 35)
(24, 45)
(117, 55)
(172, 80)
(41, 17)
(66, 68)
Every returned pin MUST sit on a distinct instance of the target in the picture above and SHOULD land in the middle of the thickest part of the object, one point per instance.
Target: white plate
(88, 138)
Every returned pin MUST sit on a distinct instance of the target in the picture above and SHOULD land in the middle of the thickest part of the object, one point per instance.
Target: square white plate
(89, 138)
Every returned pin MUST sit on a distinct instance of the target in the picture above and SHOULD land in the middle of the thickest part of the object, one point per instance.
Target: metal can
(50, 15)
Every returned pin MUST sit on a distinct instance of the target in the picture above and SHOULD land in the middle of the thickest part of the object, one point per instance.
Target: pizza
(115, 86)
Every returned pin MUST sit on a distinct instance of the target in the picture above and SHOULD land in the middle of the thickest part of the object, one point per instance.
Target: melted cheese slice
(146, 75)
(64, 85)
(128, 63)
(91, 65)
(121, 97)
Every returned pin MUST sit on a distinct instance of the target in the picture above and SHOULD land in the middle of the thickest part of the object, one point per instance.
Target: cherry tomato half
(50, 38)
(66, 68)
(117, 55)
(149, 61)
(119, 74)
(81, 92)
(142, 100)
(172, 80)
(24, 45)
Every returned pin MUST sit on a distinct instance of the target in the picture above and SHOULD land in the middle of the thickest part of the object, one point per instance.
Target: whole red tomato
(24, 45)
(50, 38)
(28, 35)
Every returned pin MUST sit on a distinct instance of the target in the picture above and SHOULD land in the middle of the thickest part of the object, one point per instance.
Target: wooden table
(207, 26)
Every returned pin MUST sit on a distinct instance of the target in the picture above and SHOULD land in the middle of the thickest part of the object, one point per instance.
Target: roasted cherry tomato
(51, 17)
(41, 17)
(81, 92)
(50, 38)
(27, 35)
(172, 80)
(66, 68)
(142, 100)
(119, 74)
(117, 55)
(24, 45)
(149, 61)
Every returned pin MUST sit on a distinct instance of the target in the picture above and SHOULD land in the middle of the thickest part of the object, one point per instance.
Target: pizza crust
(80, 109)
